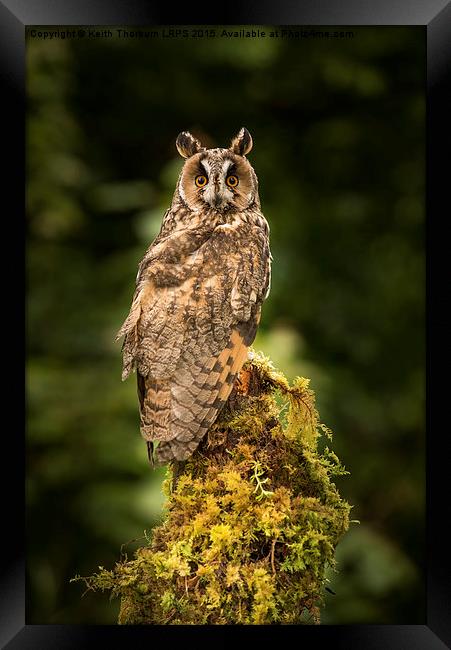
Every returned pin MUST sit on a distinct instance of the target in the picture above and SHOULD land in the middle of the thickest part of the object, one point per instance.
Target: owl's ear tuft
(242, 143)
(187, 145)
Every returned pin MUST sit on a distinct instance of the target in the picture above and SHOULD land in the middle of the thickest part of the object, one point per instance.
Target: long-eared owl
(198, 297)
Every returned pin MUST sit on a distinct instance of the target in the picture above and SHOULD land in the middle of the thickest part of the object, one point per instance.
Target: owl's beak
(216, 195)
(216, 199)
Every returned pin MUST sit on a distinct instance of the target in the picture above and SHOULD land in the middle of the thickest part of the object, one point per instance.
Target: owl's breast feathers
(194, 313)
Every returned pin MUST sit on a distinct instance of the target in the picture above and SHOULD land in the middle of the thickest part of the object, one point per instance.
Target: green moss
(252, 522)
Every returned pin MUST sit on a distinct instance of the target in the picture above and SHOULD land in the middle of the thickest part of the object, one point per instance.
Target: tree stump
(251, 522)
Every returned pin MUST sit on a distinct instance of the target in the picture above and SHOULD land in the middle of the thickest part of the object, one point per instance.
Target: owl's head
(218, 179)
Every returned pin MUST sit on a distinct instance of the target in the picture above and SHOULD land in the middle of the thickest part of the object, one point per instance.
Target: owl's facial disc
(217, 179)
(217, 192)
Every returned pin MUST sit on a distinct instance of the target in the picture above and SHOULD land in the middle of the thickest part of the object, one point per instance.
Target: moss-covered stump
(251, 523)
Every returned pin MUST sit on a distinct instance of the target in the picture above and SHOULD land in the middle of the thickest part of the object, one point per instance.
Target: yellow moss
(222, 536)
(271, 517)
(213, 595)
(232, 574)
(231, 479)
(252, 523)
(205, 570)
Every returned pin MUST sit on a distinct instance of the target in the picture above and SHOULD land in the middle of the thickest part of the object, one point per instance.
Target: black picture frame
(435, 16)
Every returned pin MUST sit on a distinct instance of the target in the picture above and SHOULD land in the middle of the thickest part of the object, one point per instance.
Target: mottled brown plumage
(198, 297)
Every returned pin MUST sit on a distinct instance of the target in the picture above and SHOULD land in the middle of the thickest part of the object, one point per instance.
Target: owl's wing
(192, 400)
(252, 282)
(185, 338)
(153, 330)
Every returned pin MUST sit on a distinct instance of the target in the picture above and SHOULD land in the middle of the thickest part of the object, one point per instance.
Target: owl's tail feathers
(155, 409)
(150, 453)
(198, 394)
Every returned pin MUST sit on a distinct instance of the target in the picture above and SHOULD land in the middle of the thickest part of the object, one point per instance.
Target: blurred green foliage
(338, 128)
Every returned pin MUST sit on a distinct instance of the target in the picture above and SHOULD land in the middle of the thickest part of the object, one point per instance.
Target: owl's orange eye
(232, 181)
(201, 180)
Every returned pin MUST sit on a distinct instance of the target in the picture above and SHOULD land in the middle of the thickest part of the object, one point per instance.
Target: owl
(198, 297)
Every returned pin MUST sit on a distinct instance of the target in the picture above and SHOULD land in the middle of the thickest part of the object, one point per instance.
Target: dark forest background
(339, 139)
